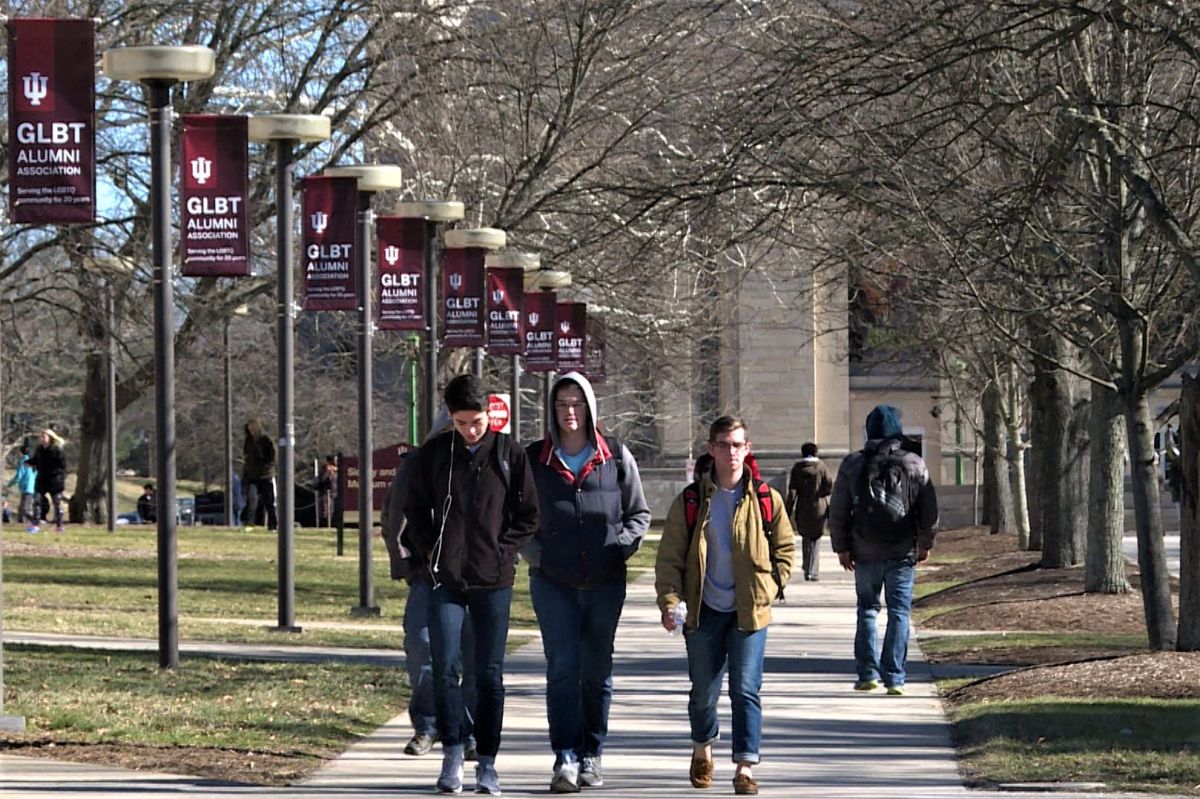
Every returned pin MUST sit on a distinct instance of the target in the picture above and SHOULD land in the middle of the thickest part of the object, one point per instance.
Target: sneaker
(486, 779)
(590, 775)
(814, 579)
(895, 690)
(451, 778)
(33, 529)
(566, 778)
(866, 685)
(58, 528)
(701, 773)
(419, 745)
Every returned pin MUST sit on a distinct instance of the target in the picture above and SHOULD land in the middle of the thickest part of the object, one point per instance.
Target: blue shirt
(719, 581)
(576, 462)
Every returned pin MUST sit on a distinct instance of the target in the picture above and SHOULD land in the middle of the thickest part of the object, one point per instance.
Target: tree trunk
(1001, 512)
(1152, 556)
(1078, 453)
(1033, 469)
(1016, 473)
(1050, 396)
(1104, 567)
(88, 502)
(1189, 518)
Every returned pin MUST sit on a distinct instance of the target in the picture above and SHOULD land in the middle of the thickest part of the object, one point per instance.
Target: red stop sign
(498, 414)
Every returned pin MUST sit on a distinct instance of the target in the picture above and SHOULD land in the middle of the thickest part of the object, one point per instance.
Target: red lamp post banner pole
(214, 223)
(594, 350)
(572, 327)
(505, 301)
(462, 287)
(541, 319)
(330, 227)
(401, 272)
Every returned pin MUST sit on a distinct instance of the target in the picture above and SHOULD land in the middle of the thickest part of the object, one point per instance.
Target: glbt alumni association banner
(401, 266)
(330, 238)
(462, 286)
(505, 299)
(213, 165)
(572, 327)
(52, 120)
(541, 345)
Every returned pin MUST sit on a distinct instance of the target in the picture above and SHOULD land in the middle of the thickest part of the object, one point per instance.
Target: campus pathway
(820, 738)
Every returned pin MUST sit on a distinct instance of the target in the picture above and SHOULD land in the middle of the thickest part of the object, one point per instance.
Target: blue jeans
(715, 643)
(489, 609)
(578, 627)
(895, 578)
(418, 662)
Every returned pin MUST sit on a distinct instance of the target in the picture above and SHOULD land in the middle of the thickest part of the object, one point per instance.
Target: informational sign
(383, 468)
(52, 120)
(214, 221)
(500, 413)
(330, 242)
(401, 273)
(594, 350)
(505, 319)
(569, 334)
(462, 286)
(541, 318)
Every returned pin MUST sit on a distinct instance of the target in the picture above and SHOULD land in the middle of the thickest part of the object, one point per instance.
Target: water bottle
(679, 614)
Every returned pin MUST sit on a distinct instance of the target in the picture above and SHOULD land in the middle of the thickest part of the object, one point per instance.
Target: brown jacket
(809, 487)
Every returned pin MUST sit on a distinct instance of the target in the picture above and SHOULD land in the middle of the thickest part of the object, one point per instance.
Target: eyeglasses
(730, 446)
(569, 406)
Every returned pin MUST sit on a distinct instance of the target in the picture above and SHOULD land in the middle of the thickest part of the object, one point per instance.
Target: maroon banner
(52, 120)
(505, 301)
(594, 351)
(541, 345)
(401, 266)
(330, 241)
(462, 286)
(383, 469)
(572, 327)
(214, 224)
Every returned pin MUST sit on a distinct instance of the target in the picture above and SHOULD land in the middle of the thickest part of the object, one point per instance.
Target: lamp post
(371, 178)
(434, 212)
(7, 723)
(286, 131)
(547, 280)
(158, 68)
(241, 310)
(529, 262)
(483, 238)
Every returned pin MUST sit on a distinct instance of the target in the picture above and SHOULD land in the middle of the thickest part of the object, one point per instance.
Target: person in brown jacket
(809, 487)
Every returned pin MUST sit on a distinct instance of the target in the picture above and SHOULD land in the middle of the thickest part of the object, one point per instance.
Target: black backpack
(882, 507)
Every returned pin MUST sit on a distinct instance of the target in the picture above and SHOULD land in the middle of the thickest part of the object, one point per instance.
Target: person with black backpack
(593, 518)
(471, 506)
(726, 553)
(882, 520)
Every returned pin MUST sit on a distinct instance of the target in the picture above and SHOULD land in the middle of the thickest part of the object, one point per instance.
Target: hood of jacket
(584, 385)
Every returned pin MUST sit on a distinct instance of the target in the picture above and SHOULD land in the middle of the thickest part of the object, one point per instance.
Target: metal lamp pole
(529, 262)
(372, 178)
(286, 131)
(158, 69)
(434, 212)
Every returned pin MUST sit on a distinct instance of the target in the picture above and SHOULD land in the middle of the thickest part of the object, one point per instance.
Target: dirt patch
(226, 766)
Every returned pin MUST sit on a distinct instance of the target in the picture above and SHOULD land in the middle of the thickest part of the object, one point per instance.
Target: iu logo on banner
(330, 240)
(462, 286)
(52, 120)
(541, 318)
(506, 323)
(401, 273)
(214, 221)
(572, 327)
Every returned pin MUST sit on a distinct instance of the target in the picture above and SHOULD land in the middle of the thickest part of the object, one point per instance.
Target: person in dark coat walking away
(147, 505)
(593, 517)
(809, 487)
(471, 506)
(882, 521)
(258, 475)
(51, 465)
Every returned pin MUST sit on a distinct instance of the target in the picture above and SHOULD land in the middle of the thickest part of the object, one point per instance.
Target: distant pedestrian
(51, 465)
(25, 479)
(147, 505)
(471, 506)
(326, 484)
(593, 517)
(258, 476)
(882, 521)
(809, 487)
(726, 551)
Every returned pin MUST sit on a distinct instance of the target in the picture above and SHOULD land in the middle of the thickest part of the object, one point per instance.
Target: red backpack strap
(765, 506)
(691, 508)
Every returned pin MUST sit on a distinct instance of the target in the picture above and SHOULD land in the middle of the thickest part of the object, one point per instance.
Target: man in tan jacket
(726, 552)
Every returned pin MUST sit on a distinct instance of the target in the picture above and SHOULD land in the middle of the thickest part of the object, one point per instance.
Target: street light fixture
(434, 212)
(371, 178)
(547, 280)
(158, 68)
(529, 262)
(483, 238)
(286, 131)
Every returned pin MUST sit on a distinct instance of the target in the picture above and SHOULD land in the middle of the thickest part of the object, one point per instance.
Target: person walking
(326, 483)
(593, 518)
(258, 476)
(726, 552)
(472, 505)
(25, 479)
(809, 487)
(51, 465)
(882, 521)
(147, 505)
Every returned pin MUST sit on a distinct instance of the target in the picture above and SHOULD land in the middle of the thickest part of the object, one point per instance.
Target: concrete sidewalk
(820, 738)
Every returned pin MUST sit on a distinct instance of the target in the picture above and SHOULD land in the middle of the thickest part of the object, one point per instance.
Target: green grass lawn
(950, 645)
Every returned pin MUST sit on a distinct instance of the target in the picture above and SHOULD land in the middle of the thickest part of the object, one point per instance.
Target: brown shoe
(701, 773)
(745, 785)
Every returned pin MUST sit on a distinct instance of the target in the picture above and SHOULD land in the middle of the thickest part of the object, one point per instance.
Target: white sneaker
(486, 779)
(590, 775)
(566, 778)
(451, 778)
